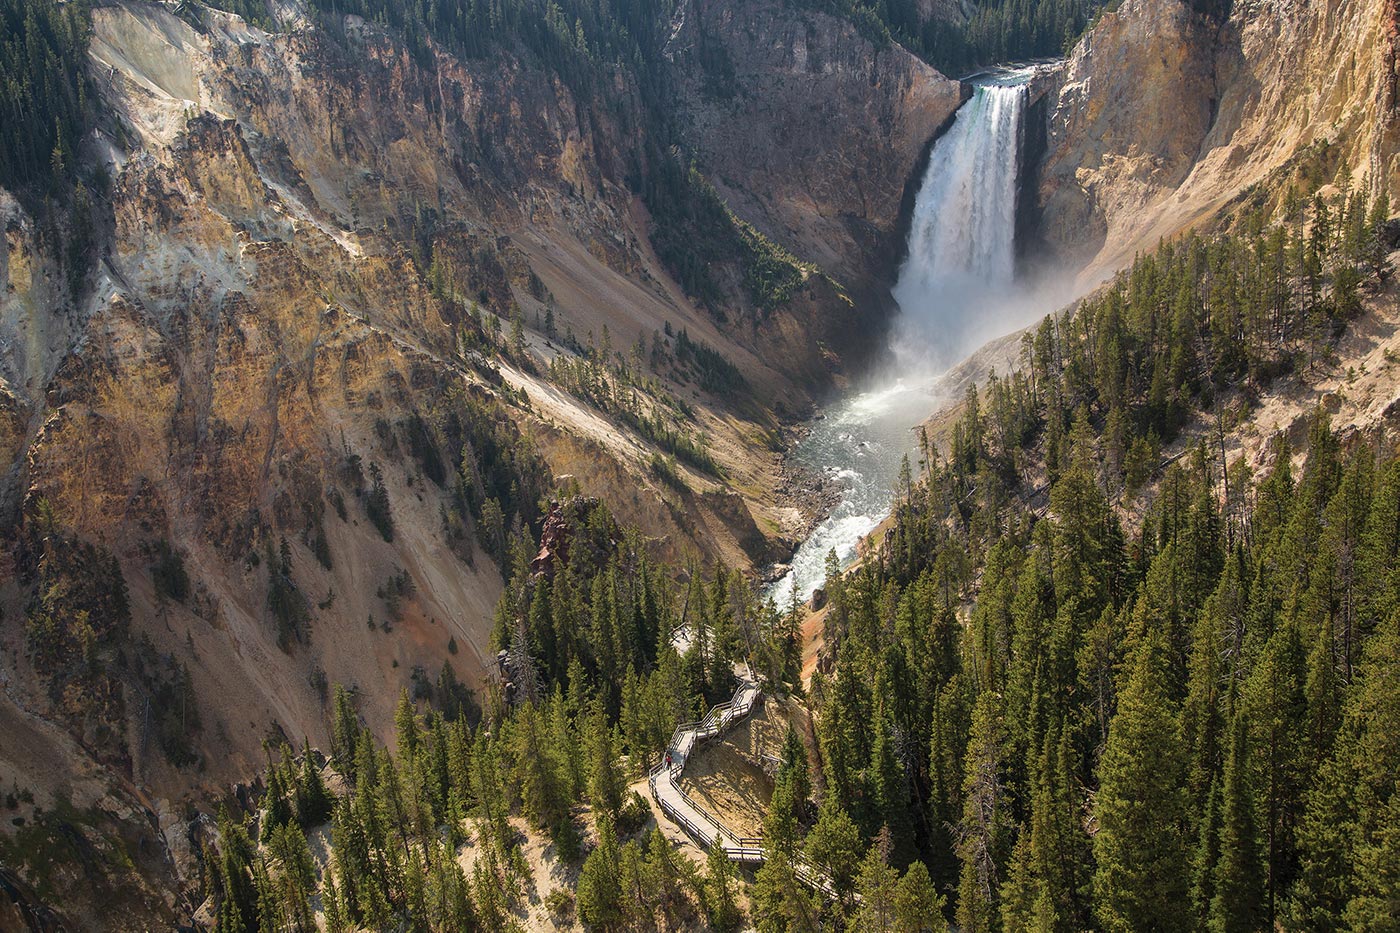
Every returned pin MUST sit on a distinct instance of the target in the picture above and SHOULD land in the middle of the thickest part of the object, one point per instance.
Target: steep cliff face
(1169, 110)
(257, 449)
(1136, 101)
(255, 327)
(810, 131)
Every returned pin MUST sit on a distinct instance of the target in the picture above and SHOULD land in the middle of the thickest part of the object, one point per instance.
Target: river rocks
(774, 572)
(813, 495)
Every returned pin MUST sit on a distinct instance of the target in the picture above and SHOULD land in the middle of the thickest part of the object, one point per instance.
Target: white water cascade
(962, 238)
(954, 293)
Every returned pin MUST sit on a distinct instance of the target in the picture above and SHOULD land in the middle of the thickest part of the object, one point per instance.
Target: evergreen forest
(1094, 677)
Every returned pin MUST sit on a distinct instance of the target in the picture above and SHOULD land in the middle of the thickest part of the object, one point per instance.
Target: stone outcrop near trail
(1169, 110)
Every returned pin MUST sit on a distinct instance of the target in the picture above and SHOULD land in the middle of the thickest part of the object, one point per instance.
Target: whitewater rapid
(959, 269)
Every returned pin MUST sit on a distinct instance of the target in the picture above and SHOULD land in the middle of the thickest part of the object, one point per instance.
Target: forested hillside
(1084, 723)
(45, 95)
(1037, 715)
(995, 31)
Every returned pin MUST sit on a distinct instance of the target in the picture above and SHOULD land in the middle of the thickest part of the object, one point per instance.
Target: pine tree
(331, 904)
(406, 729)
(1377, 252)
(1020, 889)
(1323, 701)
(721, 908)
(918, 907)
(1140, 850)
(635, 901)
(948, 737)
(448, 893)
(781, 902)
(377, 504)
(1238, 900)
(1206, 855)
(1275, 705)
(984, 831)
(1376, 902)
(889, 789)
(793, 766)
(237, 909)
(570, 760)
(600, 882)
(313, 801)
(1058, 844)
(606, 784)
(877, 889)
(834, 845)
(294, 878)
(540, 793)
(345, 731)
(279, 809)
(665, 875)
(1348, 835)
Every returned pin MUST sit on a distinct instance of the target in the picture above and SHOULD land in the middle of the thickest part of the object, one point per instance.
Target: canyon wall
(301, 243)
(1169, 110)
(811, 131)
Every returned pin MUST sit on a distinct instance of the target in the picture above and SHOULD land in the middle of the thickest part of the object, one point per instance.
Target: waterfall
(962, 238)
(954, 292)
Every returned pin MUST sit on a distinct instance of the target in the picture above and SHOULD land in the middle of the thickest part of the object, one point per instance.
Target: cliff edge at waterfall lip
(1013, 72)
(1039, 75)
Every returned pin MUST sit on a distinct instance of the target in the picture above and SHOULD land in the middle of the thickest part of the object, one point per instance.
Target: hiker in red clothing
(668, 761)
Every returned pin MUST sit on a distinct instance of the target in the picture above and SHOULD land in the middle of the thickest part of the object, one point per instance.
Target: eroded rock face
(558, 532)
(1136, 100)
(254, 325)
(1169, 109)
(260, 329)
(809, 130)
(254, 335)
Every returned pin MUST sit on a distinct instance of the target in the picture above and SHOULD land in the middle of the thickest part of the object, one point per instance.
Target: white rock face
(1165, 114)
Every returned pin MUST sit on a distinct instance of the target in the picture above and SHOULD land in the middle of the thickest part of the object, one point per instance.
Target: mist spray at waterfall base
(956, 290)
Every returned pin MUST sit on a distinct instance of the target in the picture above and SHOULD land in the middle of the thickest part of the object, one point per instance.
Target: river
(955, 291)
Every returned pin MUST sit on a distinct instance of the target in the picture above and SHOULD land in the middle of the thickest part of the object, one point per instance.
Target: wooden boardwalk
(676, 803)
(700, 824)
